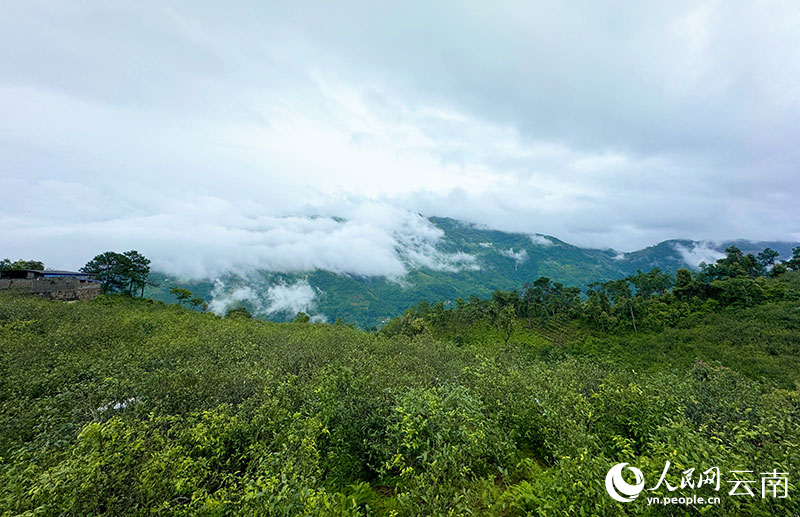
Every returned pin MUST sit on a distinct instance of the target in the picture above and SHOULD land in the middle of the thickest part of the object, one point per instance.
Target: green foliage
(239, 312)
(794, 262)
(124, 406)
(120, 272)
(185, 296)
(302, 317)
(21, 264)
(505, 319)
(182, 295)
(767, 257)
(735, 264)
(198, 303)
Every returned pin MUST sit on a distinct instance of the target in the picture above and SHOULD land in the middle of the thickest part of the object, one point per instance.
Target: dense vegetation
(514, 405)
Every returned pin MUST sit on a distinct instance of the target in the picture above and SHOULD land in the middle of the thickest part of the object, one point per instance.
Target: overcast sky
(189, 130)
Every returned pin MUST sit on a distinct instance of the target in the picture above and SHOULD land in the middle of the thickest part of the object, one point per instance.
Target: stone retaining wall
(69, 288)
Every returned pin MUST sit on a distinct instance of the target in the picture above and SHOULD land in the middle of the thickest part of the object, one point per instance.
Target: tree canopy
(21, 264)
(120, 272)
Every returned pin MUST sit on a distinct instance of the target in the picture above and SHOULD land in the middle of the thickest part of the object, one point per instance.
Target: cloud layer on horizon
(213, 137)
(208, 237)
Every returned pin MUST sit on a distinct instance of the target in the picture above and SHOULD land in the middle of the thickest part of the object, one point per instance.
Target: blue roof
(54, 272)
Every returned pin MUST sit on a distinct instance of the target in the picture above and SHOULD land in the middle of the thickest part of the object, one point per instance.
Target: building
(51, 283)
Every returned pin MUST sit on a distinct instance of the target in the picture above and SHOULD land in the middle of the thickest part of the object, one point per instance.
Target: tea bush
(121, 406)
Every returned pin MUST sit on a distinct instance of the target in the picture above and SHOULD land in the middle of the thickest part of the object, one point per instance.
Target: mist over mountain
(433, 258)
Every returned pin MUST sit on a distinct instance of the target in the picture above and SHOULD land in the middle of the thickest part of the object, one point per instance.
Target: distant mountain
(498, 260)
(677, 253)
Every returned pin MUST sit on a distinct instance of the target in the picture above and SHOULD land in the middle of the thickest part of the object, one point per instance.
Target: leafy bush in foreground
(122, 406)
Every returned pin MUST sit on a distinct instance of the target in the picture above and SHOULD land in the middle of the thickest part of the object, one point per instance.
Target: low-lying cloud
(207, 237)
(519, 257)
(541, 240)
(265, 299)
(699, 253)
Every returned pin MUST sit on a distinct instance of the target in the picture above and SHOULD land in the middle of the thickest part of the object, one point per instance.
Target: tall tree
(110, 269)
(794, 262)
(620, 293)
(119, 271)
(199, 303)
(183, 295)
(598, 307)
(778, 269)
(684, 284)
(138, 269)
(505, 319)
(188, 297)
(768, 257)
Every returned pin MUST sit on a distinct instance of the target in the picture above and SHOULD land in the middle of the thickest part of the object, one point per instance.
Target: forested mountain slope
(500, 260)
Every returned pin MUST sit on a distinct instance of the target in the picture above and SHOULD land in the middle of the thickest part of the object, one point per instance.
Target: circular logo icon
(618, 488)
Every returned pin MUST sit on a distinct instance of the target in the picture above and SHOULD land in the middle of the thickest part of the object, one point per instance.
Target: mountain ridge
(497, 260)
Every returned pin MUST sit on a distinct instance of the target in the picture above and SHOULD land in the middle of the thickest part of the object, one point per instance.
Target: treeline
(645, 301)
(7, 264)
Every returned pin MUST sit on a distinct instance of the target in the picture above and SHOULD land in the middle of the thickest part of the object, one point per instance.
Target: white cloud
(318, 318)
(207, 237)
(519, 257)
(291, 298)
(278, 297)
(541, 240)
(222, 300)
(699, 252)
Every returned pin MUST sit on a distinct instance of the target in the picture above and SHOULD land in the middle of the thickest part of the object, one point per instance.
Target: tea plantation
(124, 406)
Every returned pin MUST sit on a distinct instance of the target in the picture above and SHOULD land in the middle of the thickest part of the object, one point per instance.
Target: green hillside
(504, 406)
(371, 301)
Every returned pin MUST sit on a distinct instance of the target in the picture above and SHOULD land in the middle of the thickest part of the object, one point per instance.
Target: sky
(290, 136)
